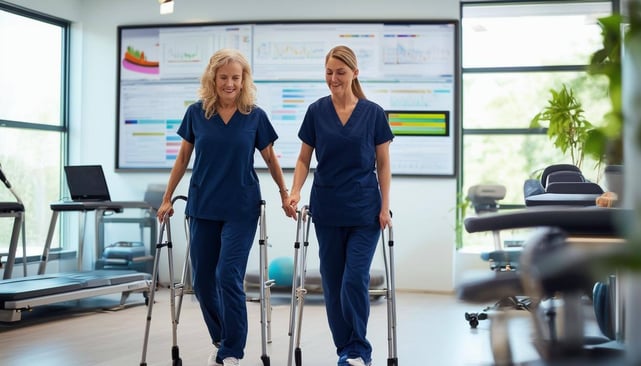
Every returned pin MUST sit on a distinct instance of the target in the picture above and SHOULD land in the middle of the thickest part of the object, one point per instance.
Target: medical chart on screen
(402, 67)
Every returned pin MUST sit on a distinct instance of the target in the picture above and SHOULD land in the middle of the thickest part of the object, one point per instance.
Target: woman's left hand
(385, 219)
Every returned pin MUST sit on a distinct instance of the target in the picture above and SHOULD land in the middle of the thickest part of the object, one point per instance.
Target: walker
(177, 290)
(299, 291)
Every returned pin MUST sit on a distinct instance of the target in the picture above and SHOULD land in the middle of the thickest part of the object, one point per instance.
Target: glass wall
(513, 54)
(33, 118)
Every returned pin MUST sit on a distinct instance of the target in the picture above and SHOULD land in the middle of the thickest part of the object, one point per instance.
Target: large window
(513, 54)
(33, 118)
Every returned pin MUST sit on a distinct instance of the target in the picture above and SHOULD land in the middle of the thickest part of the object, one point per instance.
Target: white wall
(424, 208)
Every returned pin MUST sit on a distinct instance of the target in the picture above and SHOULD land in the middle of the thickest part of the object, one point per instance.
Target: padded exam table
(575, 220)
(22, 294)
(592, 226)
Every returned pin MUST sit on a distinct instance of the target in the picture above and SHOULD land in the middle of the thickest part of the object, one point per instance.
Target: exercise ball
(281, 270)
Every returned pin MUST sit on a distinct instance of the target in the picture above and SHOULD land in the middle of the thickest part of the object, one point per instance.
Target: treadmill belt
(35, 286)
(57, 283)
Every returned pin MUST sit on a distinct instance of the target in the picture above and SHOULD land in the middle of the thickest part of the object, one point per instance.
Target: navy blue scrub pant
(346, 255)
(219, 251)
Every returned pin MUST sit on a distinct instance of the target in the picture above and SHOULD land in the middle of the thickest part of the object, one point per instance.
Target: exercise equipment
(559, 262)
(602, 299)
(313, 283)
(561, 184)
(18, 295)
(126, 255)
(15, 210)
(299, 290)
(281, 270)
(177, 290)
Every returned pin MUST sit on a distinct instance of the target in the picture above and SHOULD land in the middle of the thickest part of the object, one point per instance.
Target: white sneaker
(211, 361)
(357, 362)
(231, 361)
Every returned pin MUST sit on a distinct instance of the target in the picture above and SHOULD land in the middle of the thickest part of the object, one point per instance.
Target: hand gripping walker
(180, 288)
(176, 289)
(299, 291)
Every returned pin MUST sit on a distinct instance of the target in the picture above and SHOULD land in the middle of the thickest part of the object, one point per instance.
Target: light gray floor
(431, 330)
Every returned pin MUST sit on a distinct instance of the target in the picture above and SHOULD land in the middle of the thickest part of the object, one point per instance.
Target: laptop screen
(87, 183)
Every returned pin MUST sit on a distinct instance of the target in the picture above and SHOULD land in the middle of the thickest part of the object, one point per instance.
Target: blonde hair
(348, 57)
(207, 92)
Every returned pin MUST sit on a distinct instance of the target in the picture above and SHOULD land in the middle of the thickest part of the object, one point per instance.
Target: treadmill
(24, 293)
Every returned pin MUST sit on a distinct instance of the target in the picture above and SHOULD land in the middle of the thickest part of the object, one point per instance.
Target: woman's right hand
(292, 205)
(166, 209)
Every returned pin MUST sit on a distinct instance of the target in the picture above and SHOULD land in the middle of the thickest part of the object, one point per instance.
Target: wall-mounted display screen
(408, 68)
(419, 123)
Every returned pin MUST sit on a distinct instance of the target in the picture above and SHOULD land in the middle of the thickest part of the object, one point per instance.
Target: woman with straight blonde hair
(349, 200)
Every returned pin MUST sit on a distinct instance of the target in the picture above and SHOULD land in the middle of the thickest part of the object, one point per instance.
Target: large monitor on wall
(409, 68)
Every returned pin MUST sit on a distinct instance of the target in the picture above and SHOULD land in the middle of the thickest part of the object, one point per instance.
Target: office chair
(484, 199)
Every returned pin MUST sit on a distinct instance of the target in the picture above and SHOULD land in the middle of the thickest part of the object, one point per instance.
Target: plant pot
(614, 180)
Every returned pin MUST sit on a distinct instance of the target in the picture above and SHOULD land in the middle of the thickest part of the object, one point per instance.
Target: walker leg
(392, 359)
(298, 289)
(300, 296)
(185, 281)
(174, 289)
(265, 284)
(292, 308)
(150, 300)
(175, 353)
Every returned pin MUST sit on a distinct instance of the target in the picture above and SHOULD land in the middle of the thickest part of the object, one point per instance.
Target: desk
(15, 210)
(83, 207)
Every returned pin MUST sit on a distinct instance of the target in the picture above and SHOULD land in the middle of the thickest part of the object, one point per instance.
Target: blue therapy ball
(281, 270)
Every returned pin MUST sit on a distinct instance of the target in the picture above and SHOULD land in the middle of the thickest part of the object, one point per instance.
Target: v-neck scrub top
(345, 191)
(224, 184)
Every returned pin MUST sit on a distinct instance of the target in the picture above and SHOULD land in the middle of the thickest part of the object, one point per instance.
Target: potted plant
(569, 129)
(566, 124)
(607, 140)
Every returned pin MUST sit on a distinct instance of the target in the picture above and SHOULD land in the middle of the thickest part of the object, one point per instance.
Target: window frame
(462, 203)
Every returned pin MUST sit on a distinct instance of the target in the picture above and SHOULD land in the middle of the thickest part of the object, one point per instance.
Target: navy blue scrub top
(345, 191)
(224, 184)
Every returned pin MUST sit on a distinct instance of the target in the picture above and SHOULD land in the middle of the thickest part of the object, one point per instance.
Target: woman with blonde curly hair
(224, 128)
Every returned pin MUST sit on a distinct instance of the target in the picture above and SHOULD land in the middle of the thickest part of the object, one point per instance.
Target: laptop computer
(88, 189)
(87, 183)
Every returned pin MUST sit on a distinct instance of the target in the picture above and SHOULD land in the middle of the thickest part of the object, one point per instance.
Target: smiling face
(339, 77)
(229, 82)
